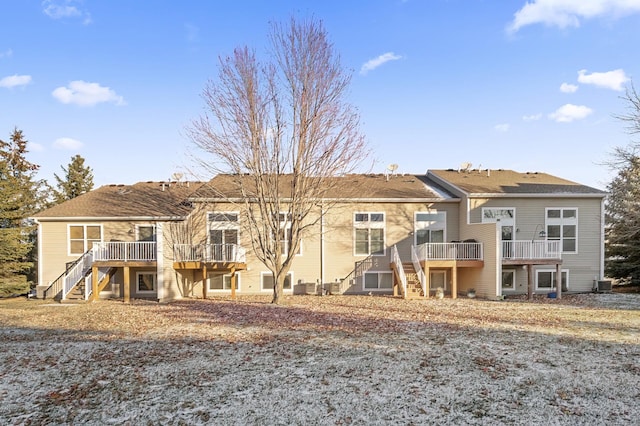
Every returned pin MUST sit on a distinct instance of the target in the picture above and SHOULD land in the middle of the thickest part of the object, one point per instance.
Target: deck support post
(127, 286)
(427, 279)
(454, 282)
(558, 281)
(94, 283)
(234, 279)
(529, 282)
(204, 282)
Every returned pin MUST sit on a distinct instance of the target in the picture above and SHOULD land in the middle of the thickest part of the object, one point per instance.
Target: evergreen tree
(78, 179)
(623, 223)
(623, 202)
(20, 196)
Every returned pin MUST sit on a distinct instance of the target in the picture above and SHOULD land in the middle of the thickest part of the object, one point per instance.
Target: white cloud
(569, 112)
(501, 127)
(86, 94)
(15, 80)
(569, 13)
(374, 63)
(532, 117)
(67, 144)
(613, 80)
(568, 88)
(6, 54)
(59, 9)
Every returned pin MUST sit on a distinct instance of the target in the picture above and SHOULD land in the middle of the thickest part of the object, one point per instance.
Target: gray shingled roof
(511, 182)
(144, 199)
(348, 187)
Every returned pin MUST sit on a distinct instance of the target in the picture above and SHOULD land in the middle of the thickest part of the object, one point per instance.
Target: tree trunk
(278, 289)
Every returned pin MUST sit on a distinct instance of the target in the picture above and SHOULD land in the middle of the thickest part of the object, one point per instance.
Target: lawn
(331, 360)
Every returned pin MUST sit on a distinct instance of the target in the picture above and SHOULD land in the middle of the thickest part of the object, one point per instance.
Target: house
(499, 232)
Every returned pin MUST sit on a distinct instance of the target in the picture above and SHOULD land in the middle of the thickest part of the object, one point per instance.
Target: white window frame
(562, 222)
(145, 225)
(229, 225)
(370, 225)
(224, 290)
(285, 223)
(84, 233)
(268, 273)
(504, 220)
(378, 274)
(155, 282)
(553, 278)
(431, 226)
(515, 274)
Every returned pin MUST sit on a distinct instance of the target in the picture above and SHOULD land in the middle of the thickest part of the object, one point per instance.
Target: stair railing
(395, 259)
(57, 285)
(416, 265)
(77, 272)
(88, 281)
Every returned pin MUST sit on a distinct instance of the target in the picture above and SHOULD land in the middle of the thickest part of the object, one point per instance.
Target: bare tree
(283, 130)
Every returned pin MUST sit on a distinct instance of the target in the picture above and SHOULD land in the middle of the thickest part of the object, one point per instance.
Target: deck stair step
(76, 295)
(414, 289)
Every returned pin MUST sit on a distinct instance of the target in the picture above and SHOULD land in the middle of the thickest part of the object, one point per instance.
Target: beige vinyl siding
(583, 266)
(340, 259)
(55, 243)
(54, 251)
(485, 279)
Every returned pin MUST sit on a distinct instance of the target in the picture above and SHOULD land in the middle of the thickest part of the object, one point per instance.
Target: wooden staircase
(414, 289)
(76, 295)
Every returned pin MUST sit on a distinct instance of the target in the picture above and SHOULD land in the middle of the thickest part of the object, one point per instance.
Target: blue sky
(530, 86)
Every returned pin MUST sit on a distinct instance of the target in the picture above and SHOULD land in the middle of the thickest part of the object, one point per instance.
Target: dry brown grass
(322, 360)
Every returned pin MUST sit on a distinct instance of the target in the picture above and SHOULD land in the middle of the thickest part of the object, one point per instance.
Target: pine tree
(20, 196)
(623, 223)
(622, 241)
(78, 179)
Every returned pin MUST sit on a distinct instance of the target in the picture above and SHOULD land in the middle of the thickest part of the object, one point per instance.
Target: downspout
(39, 260)
(321, 248)
(602, 237)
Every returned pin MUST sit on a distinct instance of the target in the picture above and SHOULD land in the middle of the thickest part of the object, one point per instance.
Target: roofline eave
(108, 218)
(536, 195)
(333, 200)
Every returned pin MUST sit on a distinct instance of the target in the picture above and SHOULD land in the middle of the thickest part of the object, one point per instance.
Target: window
(223, 282)
(82, 237)
(285, 233)
(146, 232)
(146, 282)
(506, 216)
(546, 279)
(369, 233)
(378, 280)
(268, 281)
(223, 234)
(509, 279)
(430, 227)
(562, 225)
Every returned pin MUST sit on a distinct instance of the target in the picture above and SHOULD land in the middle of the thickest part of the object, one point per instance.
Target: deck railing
(416, 265)
(450, 251)
(395, 259)
(144, 251)
(78, 272)
(209, 253)
(525, 250)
